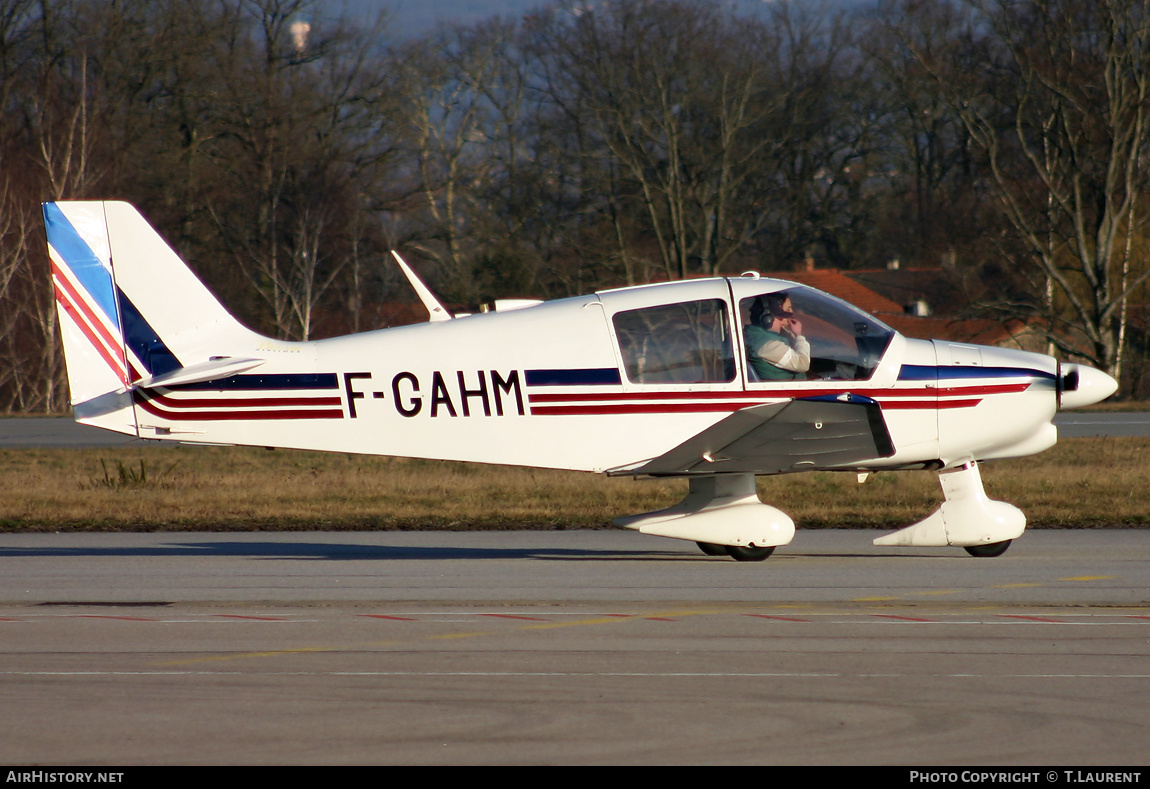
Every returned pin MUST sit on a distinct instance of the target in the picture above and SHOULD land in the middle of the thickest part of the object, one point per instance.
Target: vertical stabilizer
(131, 312)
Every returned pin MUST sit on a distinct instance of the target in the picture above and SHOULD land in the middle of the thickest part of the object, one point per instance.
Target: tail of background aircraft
(131, 313)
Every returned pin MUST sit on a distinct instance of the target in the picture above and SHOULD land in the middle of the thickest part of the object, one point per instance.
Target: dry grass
(1081, 483)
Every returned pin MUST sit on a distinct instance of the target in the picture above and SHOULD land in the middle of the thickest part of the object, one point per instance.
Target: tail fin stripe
(144, 342)
(93, 274)
(65, 287)
(93, 329)
(78, 319)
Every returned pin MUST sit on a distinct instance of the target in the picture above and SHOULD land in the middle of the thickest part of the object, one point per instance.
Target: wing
(798, 435)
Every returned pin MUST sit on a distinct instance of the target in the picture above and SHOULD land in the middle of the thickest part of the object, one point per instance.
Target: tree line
(283, 152)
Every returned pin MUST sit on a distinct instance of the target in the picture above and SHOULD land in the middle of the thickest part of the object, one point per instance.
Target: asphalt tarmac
(581, 647)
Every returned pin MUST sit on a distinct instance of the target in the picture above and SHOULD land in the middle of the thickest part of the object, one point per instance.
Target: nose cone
(1080, 386)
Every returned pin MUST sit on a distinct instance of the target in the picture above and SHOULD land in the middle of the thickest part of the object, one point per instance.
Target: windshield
(844, 342)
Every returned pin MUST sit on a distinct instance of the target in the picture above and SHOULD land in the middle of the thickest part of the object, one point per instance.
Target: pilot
(776, 347)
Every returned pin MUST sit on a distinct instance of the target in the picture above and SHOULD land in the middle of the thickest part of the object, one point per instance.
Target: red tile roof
(981, 331)
(838, 284)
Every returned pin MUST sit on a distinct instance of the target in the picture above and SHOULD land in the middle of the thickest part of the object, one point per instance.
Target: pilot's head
(771, 307)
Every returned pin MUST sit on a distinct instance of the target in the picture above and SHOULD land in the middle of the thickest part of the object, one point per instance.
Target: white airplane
(671, 379)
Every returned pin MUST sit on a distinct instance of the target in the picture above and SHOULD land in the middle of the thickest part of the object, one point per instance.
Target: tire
(986, 551)
(712, 549)
(744, 554)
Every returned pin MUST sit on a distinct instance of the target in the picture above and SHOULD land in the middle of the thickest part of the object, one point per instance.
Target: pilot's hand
(795, 325)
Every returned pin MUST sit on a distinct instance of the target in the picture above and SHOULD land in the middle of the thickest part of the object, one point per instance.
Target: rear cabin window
(687, 343)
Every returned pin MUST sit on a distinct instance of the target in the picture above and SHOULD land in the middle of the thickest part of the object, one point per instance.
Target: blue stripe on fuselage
(258, 383)
(600, 376)
(917, 372)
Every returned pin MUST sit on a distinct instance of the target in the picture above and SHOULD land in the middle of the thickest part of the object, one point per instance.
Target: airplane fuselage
(548, 386)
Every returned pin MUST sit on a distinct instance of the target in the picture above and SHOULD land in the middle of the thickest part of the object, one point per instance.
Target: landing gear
(743, 554)
(720, 510)
(967, 518)
(712, 549)
(991, 549)
(737, 552)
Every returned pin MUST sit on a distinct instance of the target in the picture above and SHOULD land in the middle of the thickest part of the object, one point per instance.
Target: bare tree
(294, 140)
(459, 109)
(1054, 92)
(674, 92)
(925, 150)
(51, 151)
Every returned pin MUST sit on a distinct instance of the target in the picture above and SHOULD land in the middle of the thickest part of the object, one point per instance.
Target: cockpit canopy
(846, 343)
(688, 342)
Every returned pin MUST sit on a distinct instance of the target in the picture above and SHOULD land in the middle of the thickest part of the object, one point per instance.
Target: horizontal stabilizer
(198, 373)
(799, 435)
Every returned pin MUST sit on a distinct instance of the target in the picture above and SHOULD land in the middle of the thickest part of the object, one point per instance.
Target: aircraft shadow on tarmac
(322, 551)
(333, 552)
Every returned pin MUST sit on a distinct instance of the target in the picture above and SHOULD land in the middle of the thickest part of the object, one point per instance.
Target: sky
(422, 14)
(416, 16)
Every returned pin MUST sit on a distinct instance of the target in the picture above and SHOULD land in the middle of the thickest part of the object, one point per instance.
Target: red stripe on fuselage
(778, 394)
(237, 414)
(985, 389)
(699, 408)
(594, 403)
(894, 405)
(251, 402)
(636, 408)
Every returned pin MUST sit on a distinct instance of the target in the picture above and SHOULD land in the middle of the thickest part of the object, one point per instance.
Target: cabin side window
(685, 343)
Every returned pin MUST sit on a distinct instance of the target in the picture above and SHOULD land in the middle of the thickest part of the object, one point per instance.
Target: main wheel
(991, 549)
(712, 548)
(743, 554)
